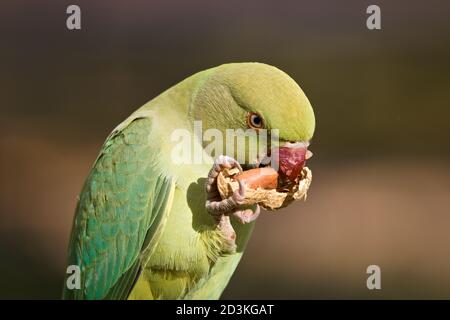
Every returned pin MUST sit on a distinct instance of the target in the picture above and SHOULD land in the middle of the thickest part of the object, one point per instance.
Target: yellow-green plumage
(141, 230)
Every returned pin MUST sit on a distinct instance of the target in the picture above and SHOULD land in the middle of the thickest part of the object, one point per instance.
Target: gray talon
(214, 204)
(247, 215)
(220, 209)
(239, 195)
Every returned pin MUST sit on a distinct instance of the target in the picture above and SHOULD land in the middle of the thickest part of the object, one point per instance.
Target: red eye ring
(254, 120)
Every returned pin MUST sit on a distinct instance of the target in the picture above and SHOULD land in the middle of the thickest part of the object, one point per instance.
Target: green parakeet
(144, 226)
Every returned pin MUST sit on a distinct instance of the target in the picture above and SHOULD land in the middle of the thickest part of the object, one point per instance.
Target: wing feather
(123, 202)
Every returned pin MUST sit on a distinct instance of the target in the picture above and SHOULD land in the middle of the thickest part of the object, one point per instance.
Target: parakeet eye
(255, 121)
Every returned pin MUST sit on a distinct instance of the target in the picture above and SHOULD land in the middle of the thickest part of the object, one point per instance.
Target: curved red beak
(290, 159)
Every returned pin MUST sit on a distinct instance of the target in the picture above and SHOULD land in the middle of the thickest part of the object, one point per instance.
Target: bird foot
(221, 209)
(247, 215)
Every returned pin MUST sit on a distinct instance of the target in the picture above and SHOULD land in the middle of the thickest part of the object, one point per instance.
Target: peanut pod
(261, 187)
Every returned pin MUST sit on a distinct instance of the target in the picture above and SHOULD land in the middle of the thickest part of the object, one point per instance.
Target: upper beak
(267, 158)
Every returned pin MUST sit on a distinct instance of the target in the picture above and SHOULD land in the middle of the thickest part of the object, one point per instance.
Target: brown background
(381, 166)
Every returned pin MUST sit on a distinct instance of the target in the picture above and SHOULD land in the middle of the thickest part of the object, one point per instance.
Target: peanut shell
(271, 199)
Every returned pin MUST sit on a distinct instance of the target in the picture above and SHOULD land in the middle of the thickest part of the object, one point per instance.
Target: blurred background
(381, 150)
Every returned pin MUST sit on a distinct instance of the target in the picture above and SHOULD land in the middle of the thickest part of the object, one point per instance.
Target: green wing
(125, 200)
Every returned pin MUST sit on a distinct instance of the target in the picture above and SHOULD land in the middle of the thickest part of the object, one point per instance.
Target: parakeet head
(255, 96)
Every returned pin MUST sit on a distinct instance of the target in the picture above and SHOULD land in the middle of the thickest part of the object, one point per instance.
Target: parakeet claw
(214, 203)
(247, 215)
(220, 163)
(221, 209)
